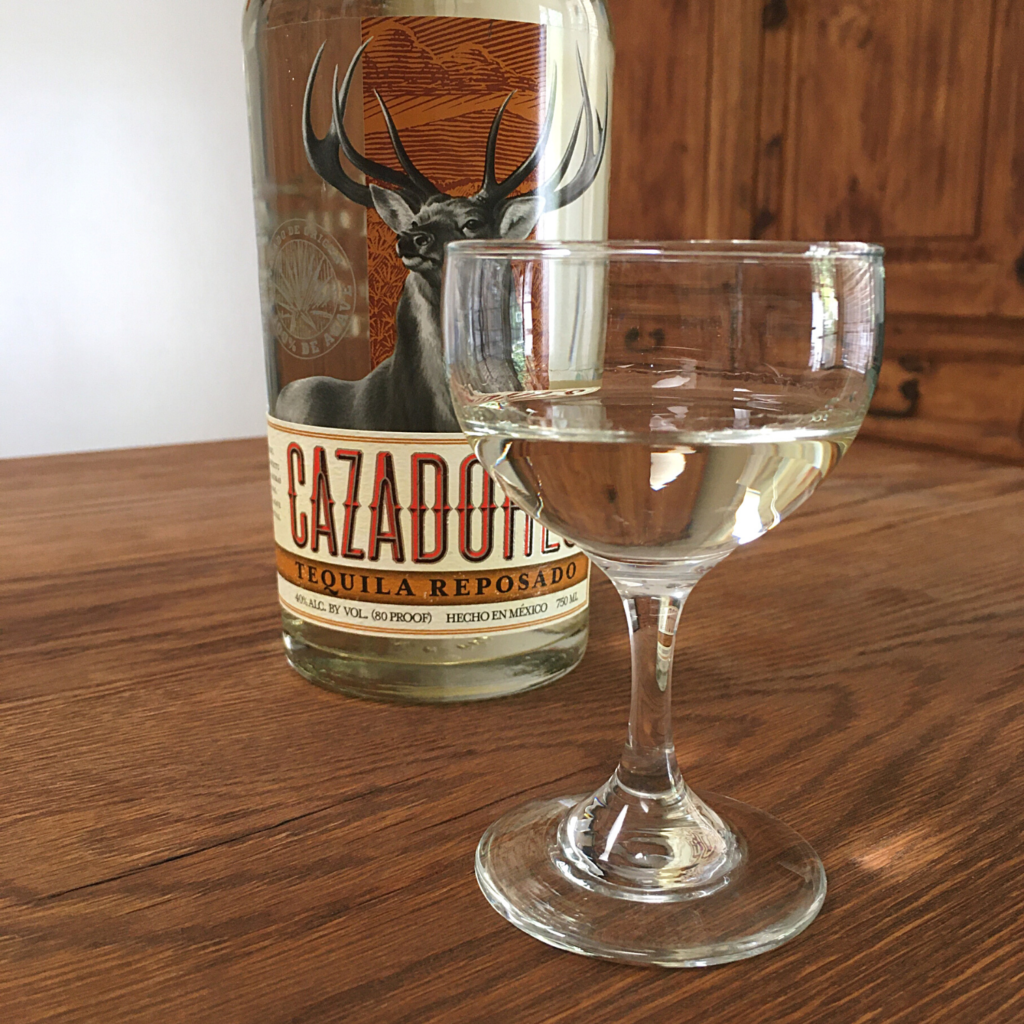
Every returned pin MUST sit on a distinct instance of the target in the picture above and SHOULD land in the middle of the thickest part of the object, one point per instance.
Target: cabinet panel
(737, 54)
(904, 126)
(949, 402)
(952, 382)
(887, 129)
(660, 131)
(1002, 208)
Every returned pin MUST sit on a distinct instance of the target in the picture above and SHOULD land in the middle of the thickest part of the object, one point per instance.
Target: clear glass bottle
(382, 129)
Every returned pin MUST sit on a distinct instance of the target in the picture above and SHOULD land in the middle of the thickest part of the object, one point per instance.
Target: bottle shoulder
(262, 14)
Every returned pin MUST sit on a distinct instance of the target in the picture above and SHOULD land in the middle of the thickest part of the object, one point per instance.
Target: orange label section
(443, 80)
(386, 586)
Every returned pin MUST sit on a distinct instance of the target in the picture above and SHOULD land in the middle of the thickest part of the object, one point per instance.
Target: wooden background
(892, 121)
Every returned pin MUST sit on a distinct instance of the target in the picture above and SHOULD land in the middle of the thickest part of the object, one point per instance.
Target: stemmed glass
(659, 405)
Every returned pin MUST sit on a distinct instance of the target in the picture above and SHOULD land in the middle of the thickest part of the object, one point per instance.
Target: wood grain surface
(190, 832)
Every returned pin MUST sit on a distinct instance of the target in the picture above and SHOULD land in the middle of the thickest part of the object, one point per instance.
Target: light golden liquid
(633, 499)
(631, 477)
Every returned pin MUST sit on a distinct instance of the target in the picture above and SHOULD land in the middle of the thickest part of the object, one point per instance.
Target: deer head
(423, 217)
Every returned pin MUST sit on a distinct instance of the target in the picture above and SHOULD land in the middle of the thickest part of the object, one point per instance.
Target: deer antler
(323, 153)
(490, 188)
(554, 196)
(427, 187)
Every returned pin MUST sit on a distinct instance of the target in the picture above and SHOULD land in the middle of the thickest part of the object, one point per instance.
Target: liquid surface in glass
(628, 478)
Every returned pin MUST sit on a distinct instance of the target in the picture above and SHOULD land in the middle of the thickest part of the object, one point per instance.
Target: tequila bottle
(381, 130)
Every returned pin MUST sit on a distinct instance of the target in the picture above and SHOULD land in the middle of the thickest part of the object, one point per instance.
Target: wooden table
(190, 832)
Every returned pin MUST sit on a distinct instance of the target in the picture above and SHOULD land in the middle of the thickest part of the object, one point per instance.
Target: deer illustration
(408, 390)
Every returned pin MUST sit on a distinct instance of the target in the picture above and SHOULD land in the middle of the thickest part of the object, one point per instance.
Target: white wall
(129, 308)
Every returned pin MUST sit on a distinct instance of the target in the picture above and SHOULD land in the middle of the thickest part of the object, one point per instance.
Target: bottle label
(398, 535)
(406, 133)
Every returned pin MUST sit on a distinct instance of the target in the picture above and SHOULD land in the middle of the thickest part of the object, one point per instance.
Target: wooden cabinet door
(891, 121)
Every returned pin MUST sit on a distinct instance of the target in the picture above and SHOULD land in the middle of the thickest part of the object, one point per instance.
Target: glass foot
(769, 890)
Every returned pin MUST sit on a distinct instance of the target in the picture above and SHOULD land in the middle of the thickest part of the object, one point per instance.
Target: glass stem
(644, 831)
(648, 762)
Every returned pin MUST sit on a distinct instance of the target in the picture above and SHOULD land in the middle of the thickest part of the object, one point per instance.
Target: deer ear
(520, 217)
(393, 209)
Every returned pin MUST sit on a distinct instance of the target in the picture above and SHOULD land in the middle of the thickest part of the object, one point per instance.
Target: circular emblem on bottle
(312, 289)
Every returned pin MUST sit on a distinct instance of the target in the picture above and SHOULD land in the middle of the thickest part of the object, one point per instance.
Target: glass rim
(665, 251)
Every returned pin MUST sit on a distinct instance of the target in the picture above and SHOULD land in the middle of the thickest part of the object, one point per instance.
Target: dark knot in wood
(774, 14)
(911, 391)
(1018, 267)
